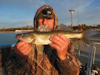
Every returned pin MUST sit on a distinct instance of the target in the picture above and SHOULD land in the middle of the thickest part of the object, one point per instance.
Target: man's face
(45, 24)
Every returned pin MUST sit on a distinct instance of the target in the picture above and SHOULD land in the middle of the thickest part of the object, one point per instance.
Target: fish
(42, 38)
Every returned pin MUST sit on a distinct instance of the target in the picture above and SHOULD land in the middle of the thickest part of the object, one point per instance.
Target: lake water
(9, 39)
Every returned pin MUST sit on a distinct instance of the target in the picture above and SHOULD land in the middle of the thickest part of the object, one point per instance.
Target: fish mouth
(19, 36)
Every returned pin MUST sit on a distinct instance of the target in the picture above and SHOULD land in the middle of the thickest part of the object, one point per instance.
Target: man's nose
(44, 22)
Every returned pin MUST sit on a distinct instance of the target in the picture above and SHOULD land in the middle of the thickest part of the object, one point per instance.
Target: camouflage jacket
(41, 63)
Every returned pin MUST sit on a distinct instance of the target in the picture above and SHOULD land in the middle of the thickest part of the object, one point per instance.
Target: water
(85, 50)
(7, 39)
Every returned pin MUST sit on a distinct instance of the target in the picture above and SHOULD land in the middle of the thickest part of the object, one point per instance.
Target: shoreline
(7, 31)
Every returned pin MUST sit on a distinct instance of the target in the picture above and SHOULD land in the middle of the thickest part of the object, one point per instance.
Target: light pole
(72, 12)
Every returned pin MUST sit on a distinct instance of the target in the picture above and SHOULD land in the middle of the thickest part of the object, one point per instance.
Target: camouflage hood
(39, 11)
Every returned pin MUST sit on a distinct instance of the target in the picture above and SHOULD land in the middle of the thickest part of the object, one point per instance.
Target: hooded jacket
(39, 11)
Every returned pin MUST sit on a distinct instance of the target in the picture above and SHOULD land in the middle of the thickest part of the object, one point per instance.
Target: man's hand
(23, 48)
(60, 43)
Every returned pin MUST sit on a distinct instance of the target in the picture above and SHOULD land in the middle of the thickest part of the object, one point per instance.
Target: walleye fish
(42, 38)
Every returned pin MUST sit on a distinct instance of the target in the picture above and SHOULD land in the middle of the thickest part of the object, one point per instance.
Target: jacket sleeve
(71, 65)
(13, 63)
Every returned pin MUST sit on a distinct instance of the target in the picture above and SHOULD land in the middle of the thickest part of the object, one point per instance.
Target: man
(57, 58)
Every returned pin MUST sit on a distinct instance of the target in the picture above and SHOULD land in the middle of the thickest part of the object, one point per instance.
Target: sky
(19, 13)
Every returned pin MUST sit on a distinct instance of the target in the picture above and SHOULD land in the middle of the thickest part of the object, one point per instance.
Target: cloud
(61, 7)
(91, 16)
(57, 3)
(23, 3)
(68, 4)
(16, 23)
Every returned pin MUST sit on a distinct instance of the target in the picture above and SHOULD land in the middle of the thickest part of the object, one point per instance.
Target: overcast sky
(18, 13)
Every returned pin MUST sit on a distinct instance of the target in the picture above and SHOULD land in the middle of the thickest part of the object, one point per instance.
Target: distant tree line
(78, 27)
(13, 29)
(60, 26)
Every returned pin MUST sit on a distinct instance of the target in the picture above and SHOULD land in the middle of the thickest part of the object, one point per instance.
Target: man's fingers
(20, 44)
(26, 50)
(54, 46)
(65, 39)
(23, 44)
(57, 40)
